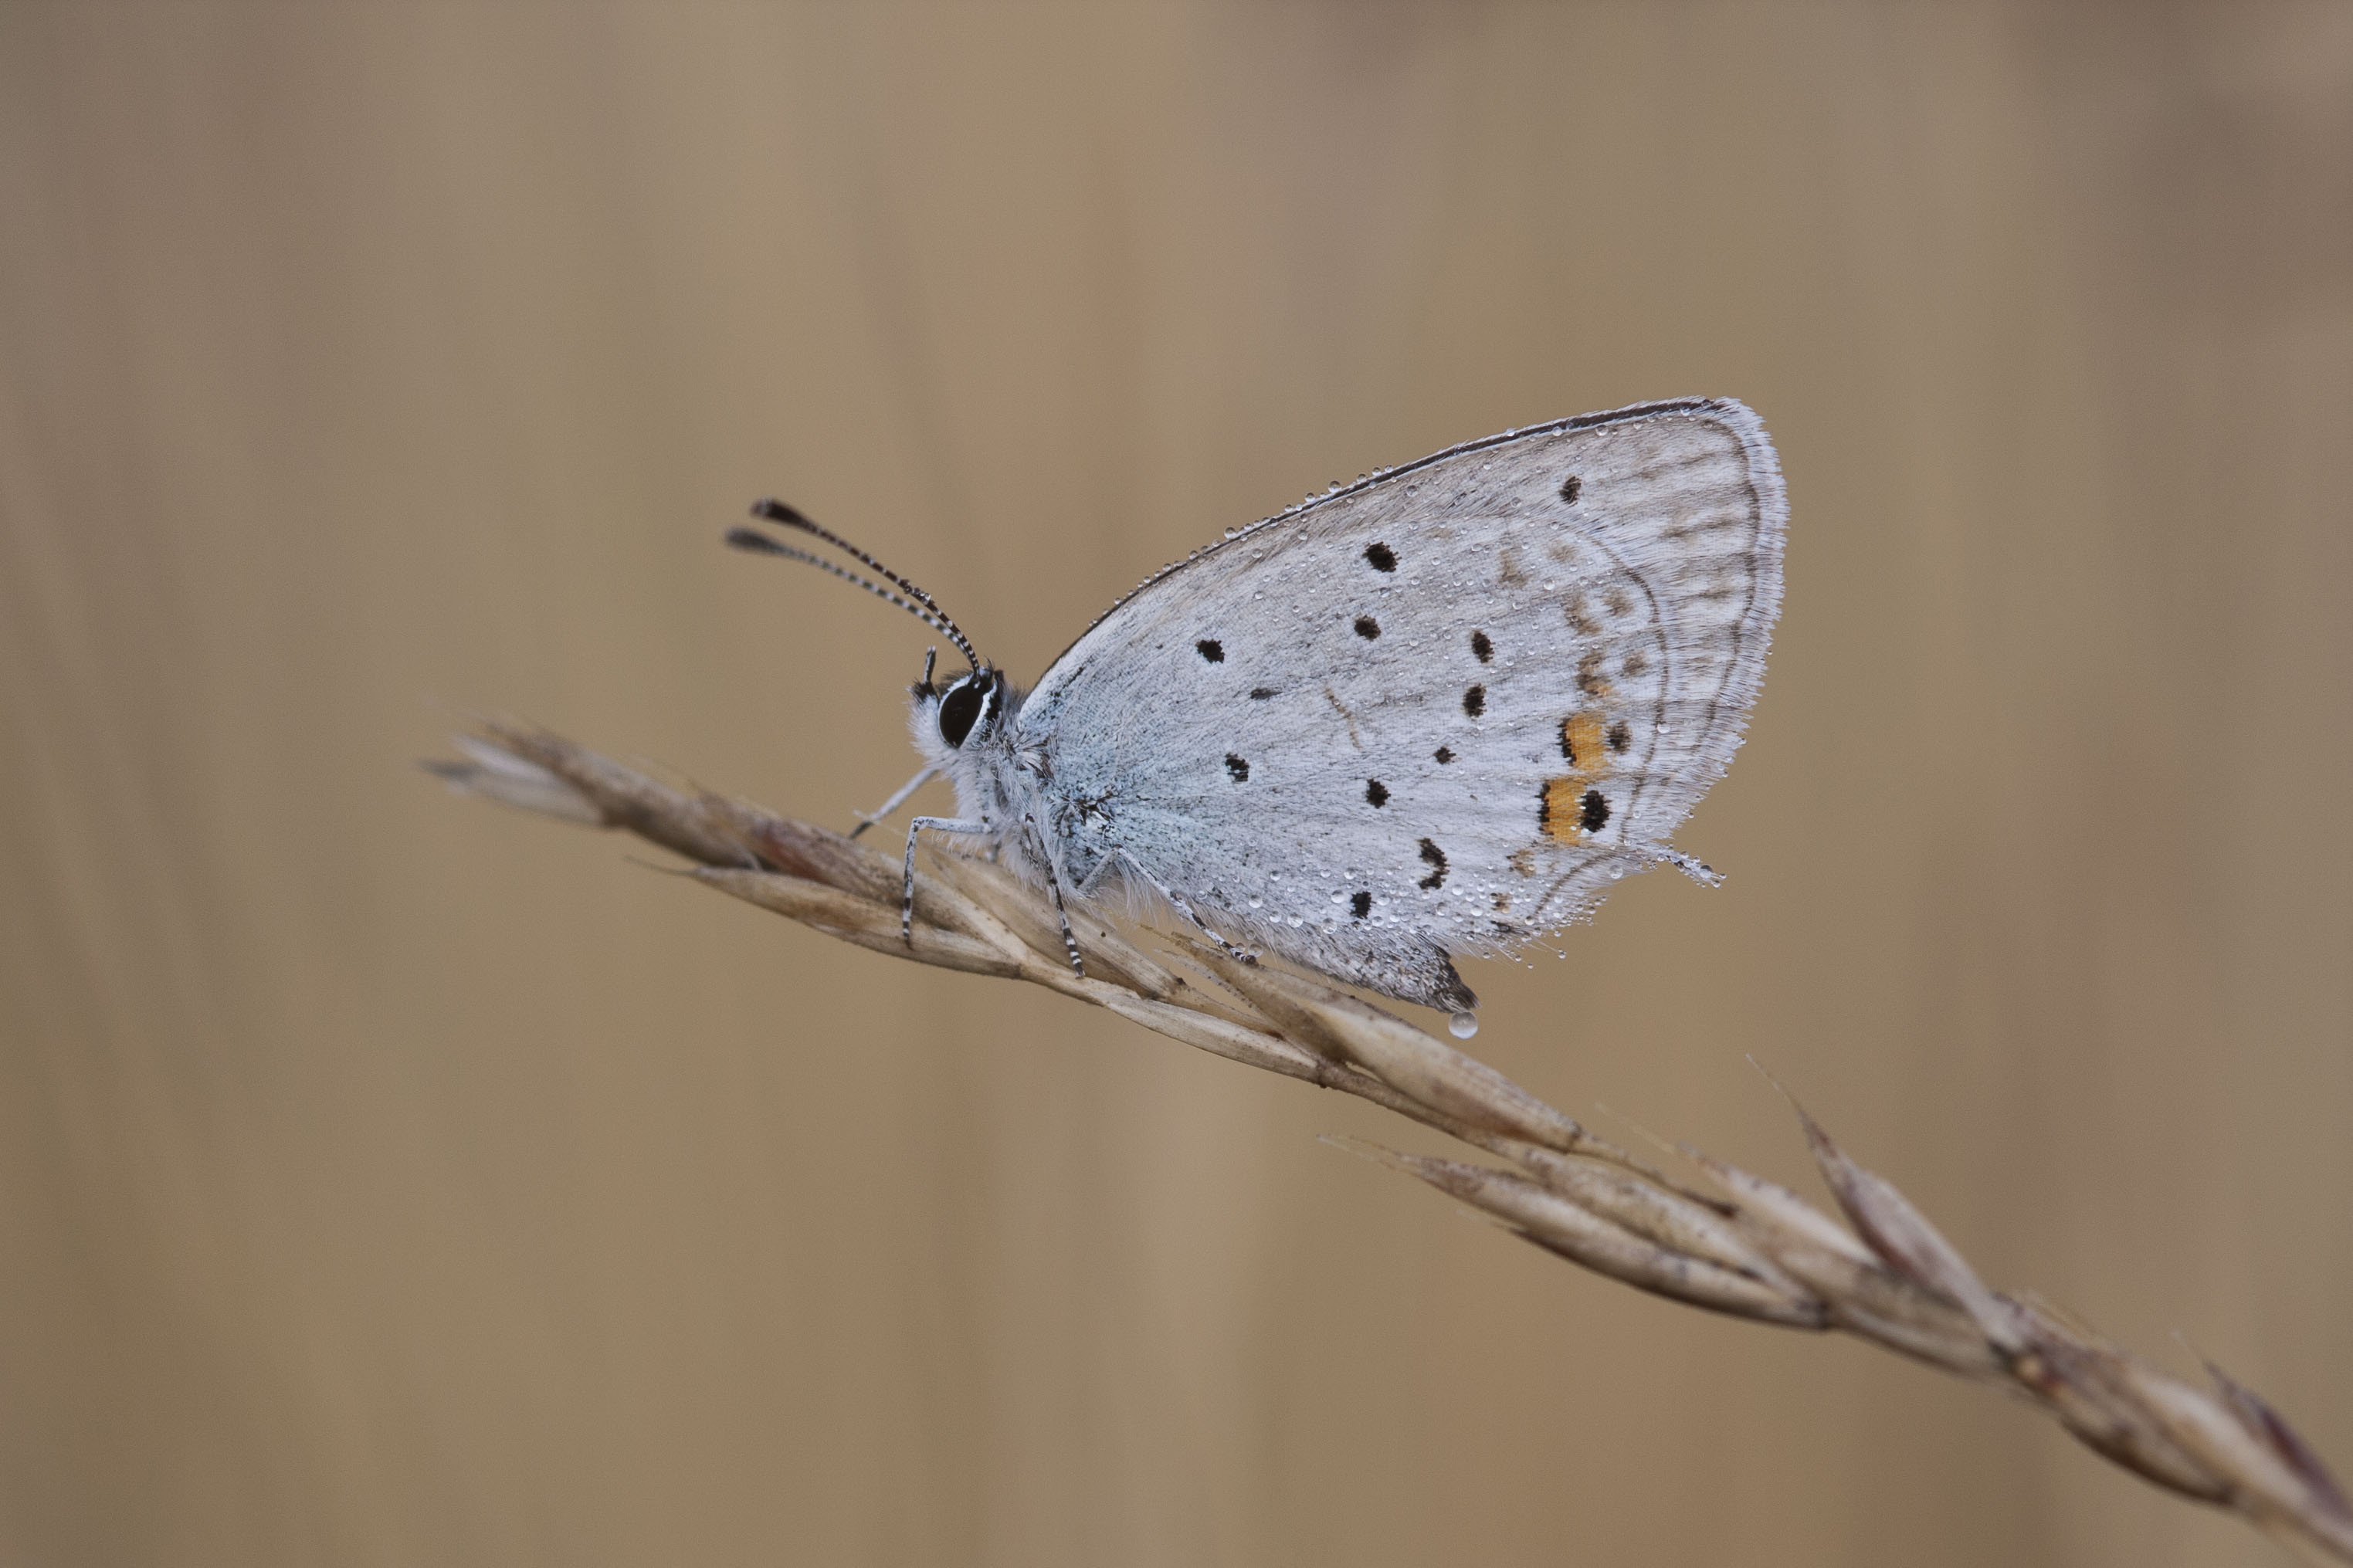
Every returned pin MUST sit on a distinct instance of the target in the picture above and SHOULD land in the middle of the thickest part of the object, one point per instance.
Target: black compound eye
(961, 709)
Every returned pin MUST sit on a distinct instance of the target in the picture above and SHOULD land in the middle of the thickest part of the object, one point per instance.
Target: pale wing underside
(1440, 710)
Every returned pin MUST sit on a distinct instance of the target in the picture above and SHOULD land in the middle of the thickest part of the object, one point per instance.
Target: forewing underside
(1443, 708)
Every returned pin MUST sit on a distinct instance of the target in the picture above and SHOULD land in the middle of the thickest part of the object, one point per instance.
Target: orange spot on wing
(1584, 741)
(1557, 813)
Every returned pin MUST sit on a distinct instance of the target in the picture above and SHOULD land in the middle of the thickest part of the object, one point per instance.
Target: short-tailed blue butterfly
(1436, 712)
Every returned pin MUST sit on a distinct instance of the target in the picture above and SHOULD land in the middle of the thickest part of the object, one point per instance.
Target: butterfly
(1435, 713)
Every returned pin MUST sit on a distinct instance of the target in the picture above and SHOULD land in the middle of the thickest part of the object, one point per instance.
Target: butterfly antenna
(755, 543)
(746, 540)
(777, 511)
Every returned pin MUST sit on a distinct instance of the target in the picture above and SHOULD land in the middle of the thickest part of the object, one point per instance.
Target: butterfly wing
(1440, 711)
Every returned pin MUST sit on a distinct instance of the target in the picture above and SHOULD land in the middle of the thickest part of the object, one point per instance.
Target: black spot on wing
(1594, 813)
(1382, 558)
(1474, 701)
(1367, 627)
(1238, 766)
(1261, 693)
(1361, 903)
(1375, 792)
(1570, 488)
(1212, 649)
(1620, 736)
(1481, 648)
(1435, 857)
(1445, 753)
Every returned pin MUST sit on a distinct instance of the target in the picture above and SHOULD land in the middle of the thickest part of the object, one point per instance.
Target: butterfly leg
(907, 893)
(1180, 906)
(867, 820)
(1054, 882)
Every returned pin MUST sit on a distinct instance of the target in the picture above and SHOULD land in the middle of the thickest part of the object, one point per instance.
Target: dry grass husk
(1735, 1244)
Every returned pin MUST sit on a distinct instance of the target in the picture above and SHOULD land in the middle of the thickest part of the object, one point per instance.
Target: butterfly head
(959, 715)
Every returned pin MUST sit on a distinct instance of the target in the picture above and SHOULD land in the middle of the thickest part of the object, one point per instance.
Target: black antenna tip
(775, 510)
(744, 539)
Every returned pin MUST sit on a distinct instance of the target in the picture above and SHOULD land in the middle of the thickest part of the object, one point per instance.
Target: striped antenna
(917, 602)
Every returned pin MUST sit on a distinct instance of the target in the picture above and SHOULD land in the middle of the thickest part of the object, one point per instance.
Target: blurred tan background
(386, 1178)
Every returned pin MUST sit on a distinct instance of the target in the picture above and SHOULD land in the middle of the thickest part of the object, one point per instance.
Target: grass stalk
(1730, 1242)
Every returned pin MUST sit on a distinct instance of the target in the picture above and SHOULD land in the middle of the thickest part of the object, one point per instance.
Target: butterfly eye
(961, 709)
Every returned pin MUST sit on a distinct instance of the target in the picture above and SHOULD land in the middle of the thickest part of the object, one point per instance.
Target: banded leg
(1054, 883)
(907, 892)
(1181, 907)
